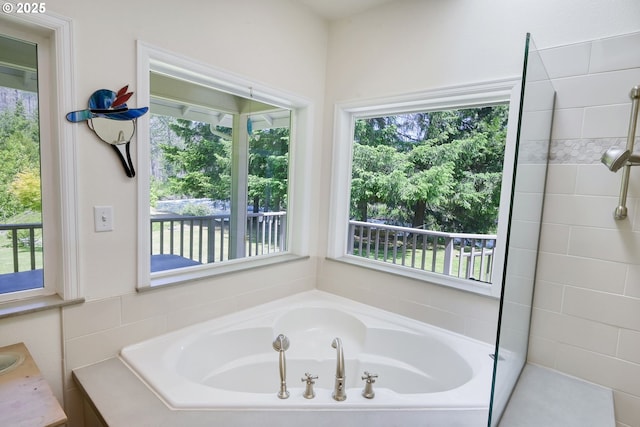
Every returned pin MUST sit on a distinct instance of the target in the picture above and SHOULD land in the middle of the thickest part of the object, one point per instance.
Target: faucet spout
(339, 392)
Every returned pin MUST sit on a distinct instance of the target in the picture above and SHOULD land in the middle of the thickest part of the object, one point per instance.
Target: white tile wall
(581, 272)
(629, 346)
(606, 121)
(599, 368)
(567, 123)
(615, 53)
(632, 286)
(595, 89)
(566, 61)
(462, 312)
(586, 317)
(561, 179)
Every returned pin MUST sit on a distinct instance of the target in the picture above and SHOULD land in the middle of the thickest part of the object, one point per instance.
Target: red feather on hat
(122, 97)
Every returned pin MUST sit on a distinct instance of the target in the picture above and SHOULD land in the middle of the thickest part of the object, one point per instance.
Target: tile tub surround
(586, 317)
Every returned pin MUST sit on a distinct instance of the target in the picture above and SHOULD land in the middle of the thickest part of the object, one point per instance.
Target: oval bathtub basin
(229, 362)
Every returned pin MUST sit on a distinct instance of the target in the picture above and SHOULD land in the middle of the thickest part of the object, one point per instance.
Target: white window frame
(151, 58)
(455, 97)
(56, 96)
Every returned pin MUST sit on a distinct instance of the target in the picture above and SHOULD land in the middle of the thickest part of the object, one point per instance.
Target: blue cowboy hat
(108, 104)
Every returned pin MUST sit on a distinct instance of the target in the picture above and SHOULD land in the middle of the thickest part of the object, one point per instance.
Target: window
(219, 193)
(37, 199)
(425, 185)
(20, 194)
(194, 217)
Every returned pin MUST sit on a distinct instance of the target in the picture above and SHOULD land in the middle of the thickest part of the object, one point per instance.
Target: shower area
(535, 118)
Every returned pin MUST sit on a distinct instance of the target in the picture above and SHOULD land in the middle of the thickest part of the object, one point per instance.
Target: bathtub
(229, 363)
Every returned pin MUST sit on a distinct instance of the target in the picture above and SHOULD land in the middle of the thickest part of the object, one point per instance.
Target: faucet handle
(309, 378)
(308, 390)
(370, 378)
(368, 387)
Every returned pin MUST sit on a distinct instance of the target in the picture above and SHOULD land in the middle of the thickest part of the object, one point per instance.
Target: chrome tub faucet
(339, 392)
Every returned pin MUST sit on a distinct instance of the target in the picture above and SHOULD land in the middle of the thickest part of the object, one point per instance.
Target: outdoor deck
(179, 241)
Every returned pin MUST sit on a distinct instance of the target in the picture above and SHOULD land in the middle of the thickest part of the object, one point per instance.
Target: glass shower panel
(529, 176)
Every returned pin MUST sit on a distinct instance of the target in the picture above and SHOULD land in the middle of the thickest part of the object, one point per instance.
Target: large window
(21, 231)
(418, 188)
(221, 188)
(199, 212)
(38, 247)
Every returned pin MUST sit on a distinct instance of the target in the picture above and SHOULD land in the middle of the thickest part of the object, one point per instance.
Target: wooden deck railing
(206, 238)
(23, 236)
(464, 255)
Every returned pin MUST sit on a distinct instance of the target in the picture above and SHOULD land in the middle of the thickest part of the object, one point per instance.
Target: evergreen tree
(436, 170)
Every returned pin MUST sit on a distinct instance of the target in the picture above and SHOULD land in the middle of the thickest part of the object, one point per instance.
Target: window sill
(34, 304)
(190, 274)
(479, 288)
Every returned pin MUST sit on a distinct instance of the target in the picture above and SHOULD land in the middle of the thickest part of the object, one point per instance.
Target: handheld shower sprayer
(616, 158)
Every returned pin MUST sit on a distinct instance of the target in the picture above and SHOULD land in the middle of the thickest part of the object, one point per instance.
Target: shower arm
(621, 210)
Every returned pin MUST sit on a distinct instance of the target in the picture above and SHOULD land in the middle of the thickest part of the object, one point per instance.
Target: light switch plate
(103, 218)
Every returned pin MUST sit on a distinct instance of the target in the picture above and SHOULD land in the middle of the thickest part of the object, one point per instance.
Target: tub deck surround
(228, 363)
(119, 399)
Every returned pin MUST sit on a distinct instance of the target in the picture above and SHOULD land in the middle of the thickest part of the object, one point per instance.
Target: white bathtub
(229, 362)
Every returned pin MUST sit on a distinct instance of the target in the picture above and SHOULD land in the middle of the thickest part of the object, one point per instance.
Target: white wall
(586, 319)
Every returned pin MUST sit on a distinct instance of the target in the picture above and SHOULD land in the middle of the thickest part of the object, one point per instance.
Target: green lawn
(24, 252)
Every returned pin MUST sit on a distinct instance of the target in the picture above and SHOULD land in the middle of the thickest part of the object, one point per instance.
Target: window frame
(151, 58)
(454, 97)
(56, 95)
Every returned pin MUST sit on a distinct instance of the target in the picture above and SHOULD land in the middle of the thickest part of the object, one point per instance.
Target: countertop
(25, 396)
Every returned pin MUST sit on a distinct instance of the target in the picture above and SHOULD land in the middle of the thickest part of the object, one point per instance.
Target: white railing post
(352, 231)
(283, 231)
(448, 255)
